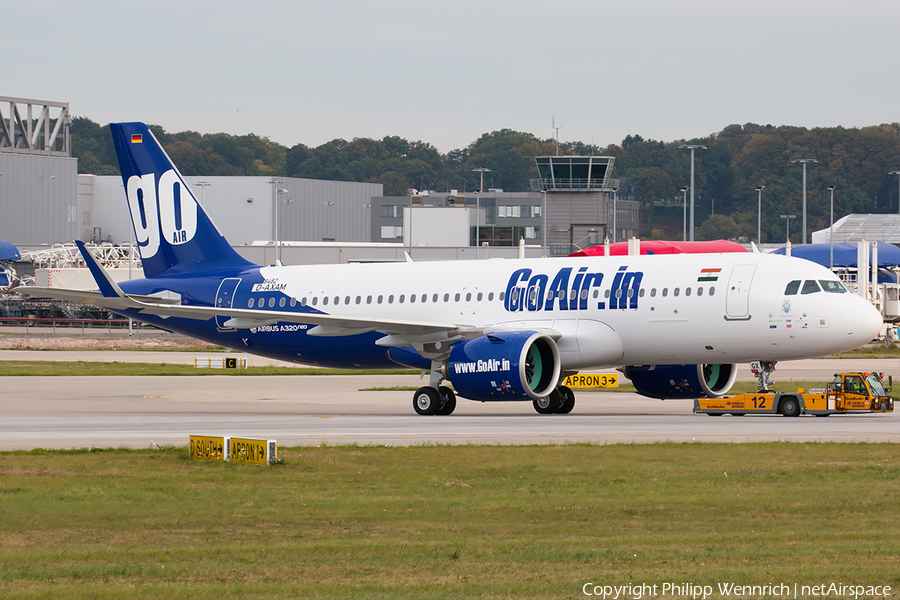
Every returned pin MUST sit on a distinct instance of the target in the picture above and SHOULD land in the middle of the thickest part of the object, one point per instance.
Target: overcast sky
(446, 72)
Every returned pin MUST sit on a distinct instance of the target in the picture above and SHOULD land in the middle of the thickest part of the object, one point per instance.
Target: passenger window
(337, 299)
(261, 302)
(469, 297)
(358, 299)
(810, 287)
(412, 297)
(250, 304)
(792, 288)
(596, 293)
(606, 295)
(641, 295)
(675, 292)
(456, 297)
(315, 300)
(303, 302)
(687, 291)
(502, 296)
(380, 299)
(584, 294)
(402, 298)
(347, 300)
(653, 293)
(391, 299)
(665, 292)
(619, 293)
(490, 296)
(699, 291)
(446, 297)
(271, 302)
(293, 302)
(368, 299)
(281, 302)
(434, 298)
(712, 291)
(324, 301)
(478, 298)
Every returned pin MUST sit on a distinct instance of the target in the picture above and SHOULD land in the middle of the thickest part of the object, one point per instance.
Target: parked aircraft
(497, 330)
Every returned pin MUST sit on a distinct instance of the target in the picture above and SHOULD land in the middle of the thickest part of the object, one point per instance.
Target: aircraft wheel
(567, 400)
(547, 405)
(790, 407)
(427, 401)
(448, 401)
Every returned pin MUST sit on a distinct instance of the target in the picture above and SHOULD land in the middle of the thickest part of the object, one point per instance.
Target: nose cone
(864, 322)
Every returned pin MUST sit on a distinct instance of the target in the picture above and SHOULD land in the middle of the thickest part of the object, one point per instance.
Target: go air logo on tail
(570, 291)
(167, 207)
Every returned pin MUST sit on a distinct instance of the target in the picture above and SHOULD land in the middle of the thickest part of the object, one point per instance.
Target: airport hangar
(45, 202)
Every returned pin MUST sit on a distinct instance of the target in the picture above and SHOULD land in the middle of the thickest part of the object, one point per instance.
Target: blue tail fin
(173, 232)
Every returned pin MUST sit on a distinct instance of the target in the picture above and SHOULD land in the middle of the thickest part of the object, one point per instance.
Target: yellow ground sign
(204, 447)
(252, 450)
(592, 380)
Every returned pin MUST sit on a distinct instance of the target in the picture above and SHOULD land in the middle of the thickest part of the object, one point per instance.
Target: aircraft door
(225, 299)
(737, 298)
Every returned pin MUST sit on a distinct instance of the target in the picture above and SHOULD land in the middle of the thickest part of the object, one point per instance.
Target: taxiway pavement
(75, 412)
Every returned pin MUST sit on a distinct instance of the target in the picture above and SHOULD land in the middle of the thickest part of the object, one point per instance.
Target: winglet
(105, 283)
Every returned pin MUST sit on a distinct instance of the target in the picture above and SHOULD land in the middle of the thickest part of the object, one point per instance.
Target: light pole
(891, 173)
(804, 162)
(831, 232)
(788, 217)
(615, 202)
(759, 190)
(544, 219)
(275, 192)
(692, 147)
(684, 210)
(481, 171)
(202, 185)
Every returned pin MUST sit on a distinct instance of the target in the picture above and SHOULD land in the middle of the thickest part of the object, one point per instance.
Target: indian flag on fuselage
(709, 274)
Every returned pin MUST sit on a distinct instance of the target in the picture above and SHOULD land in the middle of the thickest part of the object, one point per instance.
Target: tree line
(737, 160)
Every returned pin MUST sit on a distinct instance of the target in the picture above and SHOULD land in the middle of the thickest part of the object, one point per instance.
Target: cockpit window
(875, 384)
(810, 287)
(834, 287)
(792, 287)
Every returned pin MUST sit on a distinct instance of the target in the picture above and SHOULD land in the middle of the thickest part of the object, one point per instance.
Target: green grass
(43, 368)
(446, 521)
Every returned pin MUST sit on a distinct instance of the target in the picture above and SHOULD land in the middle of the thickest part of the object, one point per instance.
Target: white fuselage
(673, 309)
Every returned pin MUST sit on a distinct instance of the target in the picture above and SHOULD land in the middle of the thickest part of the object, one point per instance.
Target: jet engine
(682, 381)
(519, 365)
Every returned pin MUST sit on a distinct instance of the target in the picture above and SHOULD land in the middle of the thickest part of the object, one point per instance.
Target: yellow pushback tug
(848, 393)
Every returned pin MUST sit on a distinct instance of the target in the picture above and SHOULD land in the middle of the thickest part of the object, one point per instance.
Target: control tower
(580, 195)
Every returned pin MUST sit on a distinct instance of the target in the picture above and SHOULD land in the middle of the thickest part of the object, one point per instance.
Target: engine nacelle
(519, 365)
(682, 381)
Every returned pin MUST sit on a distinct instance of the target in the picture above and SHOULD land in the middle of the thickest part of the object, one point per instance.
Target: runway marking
(189, 396)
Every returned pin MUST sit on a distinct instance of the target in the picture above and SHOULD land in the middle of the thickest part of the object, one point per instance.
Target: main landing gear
(442, 401)
(561, 401)
(430, 401)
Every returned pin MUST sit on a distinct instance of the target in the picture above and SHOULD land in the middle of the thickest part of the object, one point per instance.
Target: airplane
(496, 330)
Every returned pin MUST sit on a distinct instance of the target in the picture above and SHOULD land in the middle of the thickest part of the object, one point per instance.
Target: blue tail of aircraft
(173, 233)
